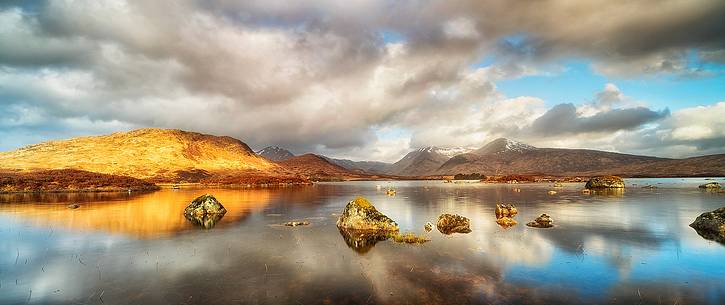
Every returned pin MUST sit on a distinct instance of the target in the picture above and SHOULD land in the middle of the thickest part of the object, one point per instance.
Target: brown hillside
(316, 167)
(159, 154)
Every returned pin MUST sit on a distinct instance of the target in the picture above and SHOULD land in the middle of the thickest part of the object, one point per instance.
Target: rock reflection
(361, 241)
(206, 221)
(609, 192)
(710, 235)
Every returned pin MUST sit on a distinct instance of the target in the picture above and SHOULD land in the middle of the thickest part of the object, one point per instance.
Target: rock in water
(73, 206)
(428, 227)
(711, 225)
(602, 182)
(505, 210)
(296, 223)
(204, 205)
(449, 223)
(543, 221)
(360, 214)
(710, 186)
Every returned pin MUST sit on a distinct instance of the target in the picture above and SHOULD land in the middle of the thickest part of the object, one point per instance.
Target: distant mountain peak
(446, 151)
(275, 153)
(503, 145)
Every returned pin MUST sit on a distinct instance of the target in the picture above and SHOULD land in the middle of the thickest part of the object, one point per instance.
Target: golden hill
(159, 154)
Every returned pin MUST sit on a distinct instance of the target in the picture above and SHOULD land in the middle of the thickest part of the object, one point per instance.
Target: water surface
(615, 248)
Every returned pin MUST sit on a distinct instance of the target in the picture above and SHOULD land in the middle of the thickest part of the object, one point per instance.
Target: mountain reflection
(144, 216)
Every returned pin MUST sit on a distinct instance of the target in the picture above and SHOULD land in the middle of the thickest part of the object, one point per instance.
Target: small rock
(450, 223)
(73, 206)
(296, 223)
(551, 192)
(390, 192)
(710, 185)
(505, 210)
(605, 182)
(506, 222)
(649, 187)
(558, 184)
(360, 214)
(543, 221)
(428, 226)
(711, 225)
(586, 192)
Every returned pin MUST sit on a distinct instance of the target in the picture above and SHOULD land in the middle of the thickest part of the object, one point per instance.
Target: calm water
(625, 248)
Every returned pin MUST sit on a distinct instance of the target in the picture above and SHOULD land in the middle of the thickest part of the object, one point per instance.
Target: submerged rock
(551, 192)
(360, 214)
(428, 226)
(204, 205)
(450, 223)
(710, 185)
(296, 223)
(505, 210)
(601, 182)
(543, 221)
(506, 222)
(390, 192)
(409, 238)
(558, 184)
(73, 206)
(649, 186)
(711, 225)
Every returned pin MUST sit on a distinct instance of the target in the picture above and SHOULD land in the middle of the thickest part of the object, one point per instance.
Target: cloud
(564, 119)
(319, 75)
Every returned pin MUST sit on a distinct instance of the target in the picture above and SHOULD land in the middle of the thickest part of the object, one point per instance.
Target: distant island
(141, 159)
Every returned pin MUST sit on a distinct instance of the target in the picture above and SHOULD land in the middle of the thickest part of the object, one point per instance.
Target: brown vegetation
(63, 180)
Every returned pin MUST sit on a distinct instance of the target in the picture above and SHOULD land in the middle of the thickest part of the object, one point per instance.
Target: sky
(373, 79)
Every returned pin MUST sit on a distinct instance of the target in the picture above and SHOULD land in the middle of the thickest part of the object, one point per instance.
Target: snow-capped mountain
(503, 145)
(424, 160)
(449, 152)
(275, 153)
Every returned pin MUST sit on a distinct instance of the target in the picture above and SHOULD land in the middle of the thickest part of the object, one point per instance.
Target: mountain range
(508, 157)
(169, 155)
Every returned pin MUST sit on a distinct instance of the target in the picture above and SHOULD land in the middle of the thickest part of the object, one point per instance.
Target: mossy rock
(360, 214)
(604, 182)
(451, 223)
(204, 205)
(710, 186)
(711, 225)
(543, 221)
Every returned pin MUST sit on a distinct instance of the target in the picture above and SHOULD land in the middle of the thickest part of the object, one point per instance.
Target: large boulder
(450, 223)
(543, 221)
(360, 214)
(204, 205)
(710, 186)
(604, 182)
(711, 225)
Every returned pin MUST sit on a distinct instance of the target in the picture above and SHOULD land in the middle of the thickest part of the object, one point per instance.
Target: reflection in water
(710, 235)
(206, 221)
(144, 215)
(362, 241)
(628, 249)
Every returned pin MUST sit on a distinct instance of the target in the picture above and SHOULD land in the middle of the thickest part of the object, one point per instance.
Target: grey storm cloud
(564, 119)
(323, 75)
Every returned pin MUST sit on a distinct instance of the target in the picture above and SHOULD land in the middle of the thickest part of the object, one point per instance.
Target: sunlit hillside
(143, 153)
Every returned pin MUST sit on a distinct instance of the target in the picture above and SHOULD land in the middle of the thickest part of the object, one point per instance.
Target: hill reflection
(143, 216)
